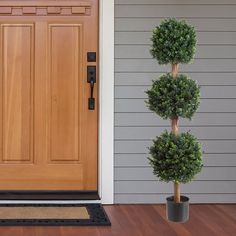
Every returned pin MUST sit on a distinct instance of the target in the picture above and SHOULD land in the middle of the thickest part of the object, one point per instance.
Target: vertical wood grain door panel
(17, 92)
(48, 136)
(63, 84)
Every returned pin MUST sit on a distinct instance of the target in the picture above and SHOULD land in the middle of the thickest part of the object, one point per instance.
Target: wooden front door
(48, 136)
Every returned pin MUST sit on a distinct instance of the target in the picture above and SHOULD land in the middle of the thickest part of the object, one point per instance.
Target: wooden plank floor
(146, 220)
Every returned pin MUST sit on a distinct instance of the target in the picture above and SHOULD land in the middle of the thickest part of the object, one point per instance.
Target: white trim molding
(106, 98)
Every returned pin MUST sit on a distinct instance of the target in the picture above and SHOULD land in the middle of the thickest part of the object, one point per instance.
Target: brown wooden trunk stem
(175, 121)
(174, 70)
(175, 131)
(176, 192)
(175, 125)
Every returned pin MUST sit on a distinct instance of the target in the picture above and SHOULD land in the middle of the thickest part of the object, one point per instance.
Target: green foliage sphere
(173, 42)
(171, 98)
(176, 158)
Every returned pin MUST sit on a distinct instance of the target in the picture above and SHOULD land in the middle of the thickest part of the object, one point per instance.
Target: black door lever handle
(91, 79)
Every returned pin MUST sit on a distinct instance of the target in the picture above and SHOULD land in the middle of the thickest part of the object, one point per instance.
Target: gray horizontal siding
(207, 78)
(149, 133)
(207, 105)
(174, 2)
(207, 173)
(198, 65)
(203, 52)
(183, 11)
(140, 187)
(214, 123)
(147, 24)
(152, 120)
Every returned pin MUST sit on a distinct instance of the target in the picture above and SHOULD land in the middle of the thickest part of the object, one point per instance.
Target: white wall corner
(106, 96)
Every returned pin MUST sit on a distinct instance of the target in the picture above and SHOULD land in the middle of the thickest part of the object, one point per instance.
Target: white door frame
(106, 98)
(106, 109)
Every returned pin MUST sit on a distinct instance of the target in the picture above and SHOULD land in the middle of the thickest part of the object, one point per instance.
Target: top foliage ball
(173, 42)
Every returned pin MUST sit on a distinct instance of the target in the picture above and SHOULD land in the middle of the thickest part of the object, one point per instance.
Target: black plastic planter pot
(177, 212)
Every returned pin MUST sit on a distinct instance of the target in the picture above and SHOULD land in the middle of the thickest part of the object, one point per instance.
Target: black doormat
(53, 215)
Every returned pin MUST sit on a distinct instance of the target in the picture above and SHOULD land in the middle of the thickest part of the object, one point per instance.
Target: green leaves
(176, 158)
(171, 98)
(173, 42)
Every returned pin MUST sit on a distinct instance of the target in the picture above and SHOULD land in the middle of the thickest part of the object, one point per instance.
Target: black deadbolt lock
(91, 57)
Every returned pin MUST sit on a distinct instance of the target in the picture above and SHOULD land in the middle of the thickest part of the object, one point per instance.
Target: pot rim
(183, 199)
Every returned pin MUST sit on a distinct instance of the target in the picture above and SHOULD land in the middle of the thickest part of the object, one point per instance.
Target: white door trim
(106, 98)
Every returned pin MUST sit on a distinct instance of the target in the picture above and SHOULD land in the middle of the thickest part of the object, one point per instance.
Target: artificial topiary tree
(174, 157)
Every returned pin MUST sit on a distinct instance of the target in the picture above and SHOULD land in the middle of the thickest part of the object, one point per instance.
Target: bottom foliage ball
(176, 158)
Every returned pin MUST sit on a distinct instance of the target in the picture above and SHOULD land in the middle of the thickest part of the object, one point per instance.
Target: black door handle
(91, 79)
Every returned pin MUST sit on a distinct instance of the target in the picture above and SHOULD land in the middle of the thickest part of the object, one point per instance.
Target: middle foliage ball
(171, 98)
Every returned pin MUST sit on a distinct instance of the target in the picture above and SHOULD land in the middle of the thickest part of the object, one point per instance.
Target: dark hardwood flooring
(147, 220)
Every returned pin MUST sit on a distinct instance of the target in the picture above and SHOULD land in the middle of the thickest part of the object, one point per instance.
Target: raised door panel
(17, 92)
(63, 92)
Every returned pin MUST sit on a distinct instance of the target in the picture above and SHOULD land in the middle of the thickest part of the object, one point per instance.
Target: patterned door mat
(53, 214)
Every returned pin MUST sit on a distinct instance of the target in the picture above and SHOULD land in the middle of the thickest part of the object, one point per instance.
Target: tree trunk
(174, 125)
(174, 70)
(175, 131)
(176, 192)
